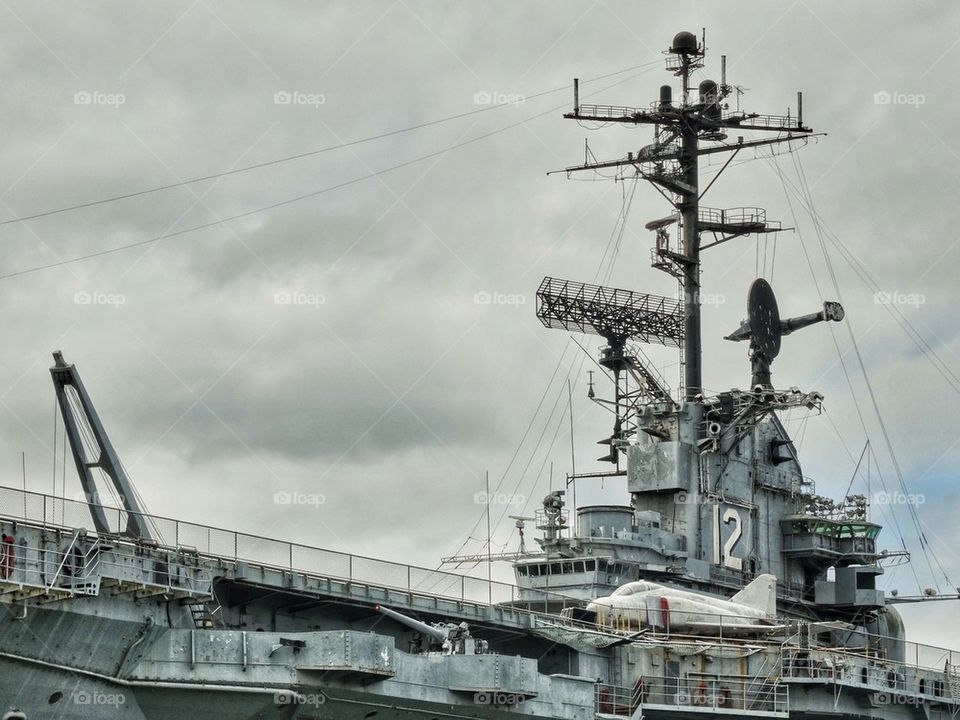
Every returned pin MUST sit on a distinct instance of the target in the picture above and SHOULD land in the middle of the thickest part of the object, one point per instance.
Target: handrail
(66, 554)
(610, 111)
(224, 544)
(786, 636)
(695, 691)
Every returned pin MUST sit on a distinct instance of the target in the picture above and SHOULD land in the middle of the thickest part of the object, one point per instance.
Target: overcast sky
(340, 346)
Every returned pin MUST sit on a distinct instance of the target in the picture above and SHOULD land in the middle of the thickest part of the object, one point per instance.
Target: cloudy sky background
(394, 395)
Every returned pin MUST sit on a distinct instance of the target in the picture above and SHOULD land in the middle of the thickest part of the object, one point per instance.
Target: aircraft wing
(626, 640)
(713, 628)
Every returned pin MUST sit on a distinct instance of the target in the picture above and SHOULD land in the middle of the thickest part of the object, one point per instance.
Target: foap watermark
(888, 698)
(705, 698)
(92, 697)
(115, 500)
(95, 97)
(884, 297)
(685, 498)
(499, 298)
(96, 297)
(498, 698)
(295, 497)
(288, 697)
(483, 498)
(495, 97)
(898, 498)
(886, 97)
(295, 97)
(715, 299)
(299, 298)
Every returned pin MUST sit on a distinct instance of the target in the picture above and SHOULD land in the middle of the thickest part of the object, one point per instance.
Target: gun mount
(453, 638)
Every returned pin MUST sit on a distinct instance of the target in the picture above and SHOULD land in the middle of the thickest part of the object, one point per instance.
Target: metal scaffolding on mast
(671, 164)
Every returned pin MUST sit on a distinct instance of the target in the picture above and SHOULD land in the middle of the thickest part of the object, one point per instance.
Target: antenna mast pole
(573, 452)
(689, 207)
(672, 164)
(486, 477)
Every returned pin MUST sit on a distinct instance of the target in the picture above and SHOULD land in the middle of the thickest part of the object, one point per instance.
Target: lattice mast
(671, 163)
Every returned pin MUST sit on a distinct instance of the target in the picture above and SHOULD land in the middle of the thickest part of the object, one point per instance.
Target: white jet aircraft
(642, 604)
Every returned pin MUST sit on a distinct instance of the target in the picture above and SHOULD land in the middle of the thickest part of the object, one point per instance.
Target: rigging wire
(912, 511)
(63, 478)
(816, 283)
(929, 555)
(91, 449)
(614, 244)
(953, 380)
(54, 447)
(145, 514)
(304, 196)
(85, 432)
(516, 452)
(299, 156)
(611, 249)
(620, 217)
(773, 258)
(561, 418)
(840, 355)
(856, 470)
(626, 205)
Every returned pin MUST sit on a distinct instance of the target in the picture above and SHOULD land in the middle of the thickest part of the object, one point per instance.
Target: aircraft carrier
(722, 585)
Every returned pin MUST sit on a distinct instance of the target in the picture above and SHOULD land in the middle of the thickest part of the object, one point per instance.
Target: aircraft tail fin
(760, 594)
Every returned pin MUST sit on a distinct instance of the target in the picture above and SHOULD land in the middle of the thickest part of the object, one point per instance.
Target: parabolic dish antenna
(764, 328)
(764, 318)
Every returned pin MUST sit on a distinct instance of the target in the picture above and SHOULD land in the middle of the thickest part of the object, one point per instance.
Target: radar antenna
(764, 328)
(671, 164)
(617, 316)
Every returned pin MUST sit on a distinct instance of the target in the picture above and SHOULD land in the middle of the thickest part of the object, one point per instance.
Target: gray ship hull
(48, 693)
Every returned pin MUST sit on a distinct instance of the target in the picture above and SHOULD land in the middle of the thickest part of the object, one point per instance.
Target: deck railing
(71, 569)
(67, 514)
(695, 692)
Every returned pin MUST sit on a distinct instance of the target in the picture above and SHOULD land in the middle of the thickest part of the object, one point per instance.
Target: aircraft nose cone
(601, 604)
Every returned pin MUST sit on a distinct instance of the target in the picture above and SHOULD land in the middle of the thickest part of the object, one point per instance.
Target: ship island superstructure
(722, 585)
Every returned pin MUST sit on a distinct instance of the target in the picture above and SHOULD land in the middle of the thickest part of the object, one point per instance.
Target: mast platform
(737, 220)
(659, 111)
